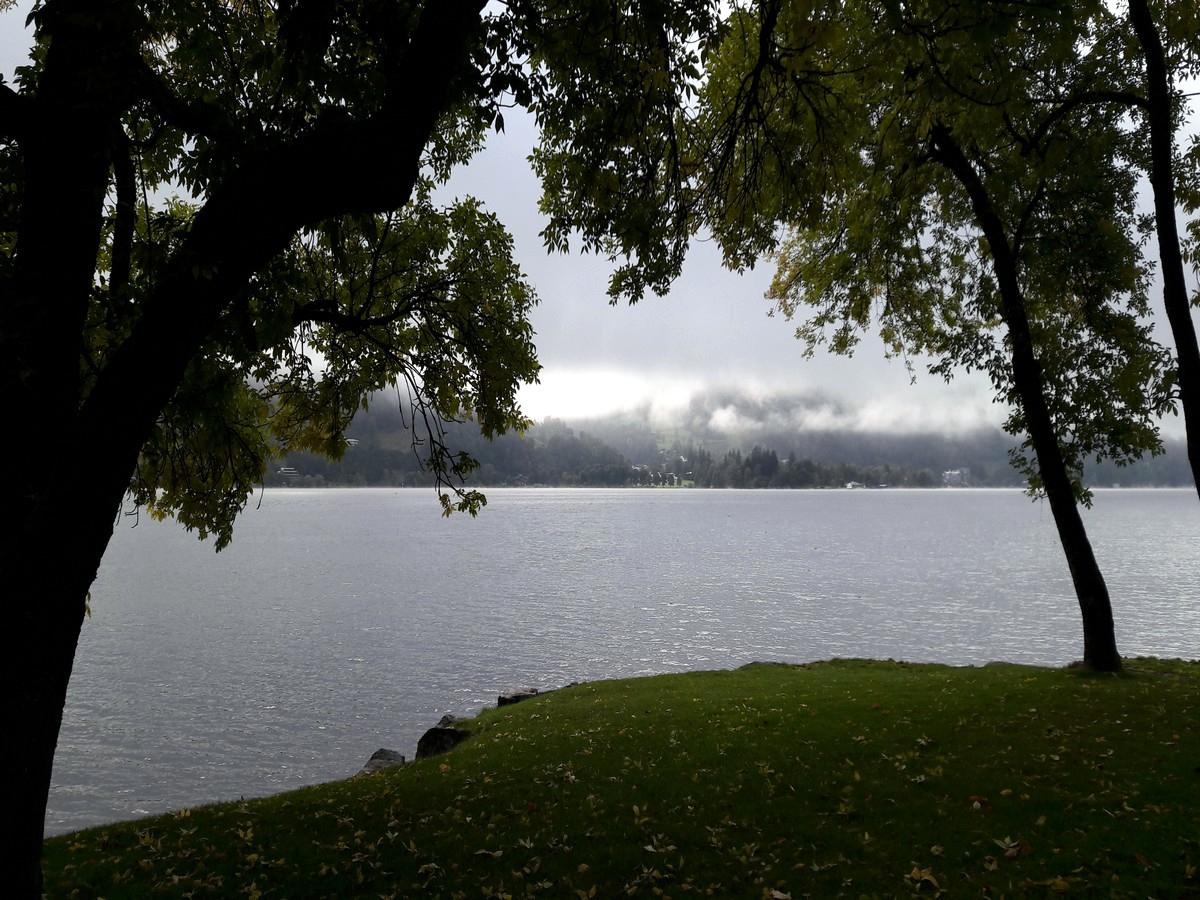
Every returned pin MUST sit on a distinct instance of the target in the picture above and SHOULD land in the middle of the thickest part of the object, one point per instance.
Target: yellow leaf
(923, 876)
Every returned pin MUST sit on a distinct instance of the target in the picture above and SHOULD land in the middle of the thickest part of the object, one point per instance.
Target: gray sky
(711, 331)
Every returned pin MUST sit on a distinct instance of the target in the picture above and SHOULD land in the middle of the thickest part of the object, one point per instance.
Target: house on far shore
(956, 478)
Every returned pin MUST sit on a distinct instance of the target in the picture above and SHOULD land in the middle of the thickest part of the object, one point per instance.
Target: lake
(341, 621)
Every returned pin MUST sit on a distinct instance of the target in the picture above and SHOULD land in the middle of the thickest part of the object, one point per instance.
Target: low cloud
(751, 410)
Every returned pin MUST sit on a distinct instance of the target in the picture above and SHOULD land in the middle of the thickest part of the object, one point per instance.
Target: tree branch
(14, 113)
(125, 178)
(1086, 98)
(204, 119)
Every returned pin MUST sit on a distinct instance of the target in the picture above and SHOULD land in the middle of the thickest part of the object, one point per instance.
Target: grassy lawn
(846, 778)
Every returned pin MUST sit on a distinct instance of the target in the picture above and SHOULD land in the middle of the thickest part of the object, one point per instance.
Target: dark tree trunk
(47, 574)
(53, 532)
(1162, 179)
(1099, 637)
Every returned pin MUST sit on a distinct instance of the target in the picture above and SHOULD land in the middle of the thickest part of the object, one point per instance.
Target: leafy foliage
(616, 81)
(429, 297)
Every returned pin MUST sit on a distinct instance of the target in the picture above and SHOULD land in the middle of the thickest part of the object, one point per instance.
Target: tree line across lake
(615, 453)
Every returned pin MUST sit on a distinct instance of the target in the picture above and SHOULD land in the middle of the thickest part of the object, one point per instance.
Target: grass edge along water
(844, 778)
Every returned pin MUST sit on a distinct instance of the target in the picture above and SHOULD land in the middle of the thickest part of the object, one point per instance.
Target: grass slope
(846, 778)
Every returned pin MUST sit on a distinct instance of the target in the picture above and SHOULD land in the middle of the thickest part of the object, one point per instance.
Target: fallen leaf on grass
(921, 876)
(1012, 849)
(1059, 884)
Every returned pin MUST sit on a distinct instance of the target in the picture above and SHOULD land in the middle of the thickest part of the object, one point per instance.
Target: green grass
(846, 778)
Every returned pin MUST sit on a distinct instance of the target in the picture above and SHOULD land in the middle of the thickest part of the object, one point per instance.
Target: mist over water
(341, 621)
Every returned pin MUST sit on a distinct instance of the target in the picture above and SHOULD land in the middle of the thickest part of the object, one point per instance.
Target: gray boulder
(382, 759)
(516, 695)
(439, 740)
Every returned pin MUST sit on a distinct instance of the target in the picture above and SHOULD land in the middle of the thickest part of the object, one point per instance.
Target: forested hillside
(616, 452)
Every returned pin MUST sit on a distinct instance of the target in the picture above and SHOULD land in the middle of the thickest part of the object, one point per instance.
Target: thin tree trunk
(1099, 637)
(1162, 179)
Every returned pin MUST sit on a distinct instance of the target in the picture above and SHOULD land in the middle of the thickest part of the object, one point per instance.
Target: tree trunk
(1099, 637)
(1162, 179)
(47, 573)
(50, 543)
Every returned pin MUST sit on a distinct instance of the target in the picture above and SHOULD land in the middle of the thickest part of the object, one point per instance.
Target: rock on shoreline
(381, 759)
(442, 737)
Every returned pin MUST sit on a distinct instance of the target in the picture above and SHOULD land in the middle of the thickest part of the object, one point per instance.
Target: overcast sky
(711, 331)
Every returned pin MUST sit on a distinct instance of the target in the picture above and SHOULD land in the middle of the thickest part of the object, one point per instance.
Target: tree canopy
(280, 298)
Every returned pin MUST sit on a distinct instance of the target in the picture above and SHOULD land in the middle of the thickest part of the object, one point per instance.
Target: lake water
(341, 621)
